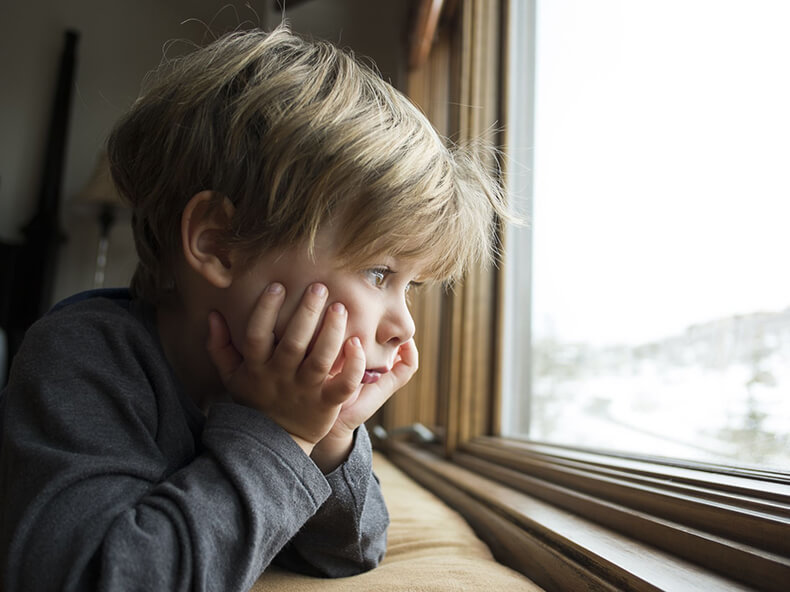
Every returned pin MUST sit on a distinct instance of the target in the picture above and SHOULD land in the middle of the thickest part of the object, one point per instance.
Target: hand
(371, 397)
(284, 380)
(334, 448)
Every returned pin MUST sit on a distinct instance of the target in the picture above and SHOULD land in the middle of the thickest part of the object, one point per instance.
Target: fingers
(327, 345)
(259, 337)
(220, 347)
(373, 396)
(409, 362)
(348, 381)
(403, 369)
(292, 347)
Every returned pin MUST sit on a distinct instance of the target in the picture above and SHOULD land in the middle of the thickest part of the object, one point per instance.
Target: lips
(373, 374)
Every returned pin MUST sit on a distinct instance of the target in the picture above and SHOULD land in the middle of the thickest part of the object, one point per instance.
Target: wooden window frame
(566, 517)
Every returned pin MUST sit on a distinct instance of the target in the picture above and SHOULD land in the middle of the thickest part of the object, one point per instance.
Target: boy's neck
(183, 338)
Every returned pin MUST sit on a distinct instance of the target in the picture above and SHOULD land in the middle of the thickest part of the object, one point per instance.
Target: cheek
(237, 308)
(360, 324)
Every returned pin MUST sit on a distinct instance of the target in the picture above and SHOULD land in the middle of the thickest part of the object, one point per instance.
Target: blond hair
(296, 133)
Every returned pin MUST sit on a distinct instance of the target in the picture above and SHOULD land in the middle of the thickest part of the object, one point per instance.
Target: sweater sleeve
(95, 495)
(348, 534)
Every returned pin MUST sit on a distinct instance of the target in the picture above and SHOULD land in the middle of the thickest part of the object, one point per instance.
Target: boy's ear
(204, 226)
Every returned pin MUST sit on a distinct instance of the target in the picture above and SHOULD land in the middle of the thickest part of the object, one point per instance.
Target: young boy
(187, 432)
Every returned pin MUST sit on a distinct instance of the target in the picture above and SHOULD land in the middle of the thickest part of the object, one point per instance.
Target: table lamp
(100, 193)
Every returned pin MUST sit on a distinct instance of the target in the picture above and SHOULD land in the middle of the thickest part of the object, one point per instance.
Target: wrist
(332, 451)
(306, 446)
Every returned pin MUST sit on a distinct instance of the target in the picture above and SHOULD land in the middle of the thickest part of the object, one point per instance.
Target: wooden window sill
(570, 519)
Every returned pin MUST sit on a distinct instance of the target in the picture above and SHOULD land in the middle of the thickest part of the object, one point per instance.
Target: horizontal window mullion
(752, 528)
(751, 482)
(694, 490)
(743, 562)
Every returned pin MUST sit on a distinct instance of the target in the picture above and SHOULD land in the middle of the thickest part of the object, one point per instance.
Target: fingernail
(275, 288)
(338, 308)
(318, 289)
(355, 342)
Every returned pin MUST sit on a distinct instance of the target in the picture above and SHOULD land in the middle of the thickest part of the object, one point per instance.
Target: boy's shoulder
(93, 326)
(99, 299)
(92, 351)
(100, 315)
(95, 308)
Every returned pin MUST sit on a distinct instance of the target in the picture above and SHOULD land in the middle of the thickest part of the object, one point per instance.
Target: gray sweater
(112, 479)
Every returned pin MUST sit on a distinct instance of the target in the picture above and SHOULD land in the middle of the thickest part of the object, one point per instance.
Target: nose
(397, 325)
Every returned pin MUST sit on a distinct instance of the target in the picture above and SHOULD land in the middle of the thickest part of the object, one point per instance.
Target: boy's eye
(377, 275)
(412, 285)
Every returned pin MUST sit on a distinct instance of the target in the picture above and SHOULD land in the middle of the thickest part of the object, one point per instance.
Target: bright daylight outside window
(656, 176)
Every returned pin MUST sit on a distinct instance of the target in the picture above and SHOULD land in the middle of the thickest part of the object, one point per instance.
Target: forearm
(215, 523)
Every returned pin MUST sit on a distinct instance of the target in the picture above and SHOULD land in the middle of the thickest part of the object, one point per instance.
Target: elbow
(373, 554)
(368, 556)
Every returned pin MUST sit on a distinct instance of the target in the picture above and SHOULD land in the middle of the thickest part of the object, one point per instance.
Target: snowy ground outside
(664, 402)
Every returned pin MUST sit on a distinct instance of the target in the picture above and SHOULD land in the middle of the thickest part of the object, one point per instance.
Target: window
(650, 291)
(572, 518)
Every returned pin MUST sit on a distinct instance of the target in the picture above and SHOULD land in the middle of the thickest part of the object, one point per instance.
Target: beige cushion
(430, 548)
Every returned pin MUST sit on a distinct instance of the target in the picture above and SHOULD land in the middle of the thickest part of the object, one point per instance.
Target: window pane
(661, 205)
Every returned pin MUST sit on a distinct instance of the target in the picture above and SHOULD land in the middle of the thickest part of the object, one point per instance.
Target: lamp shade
(100, 190)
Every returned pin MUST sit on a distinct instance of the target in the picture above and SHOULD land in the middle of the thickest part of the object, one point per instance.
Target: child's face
(374, 297)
